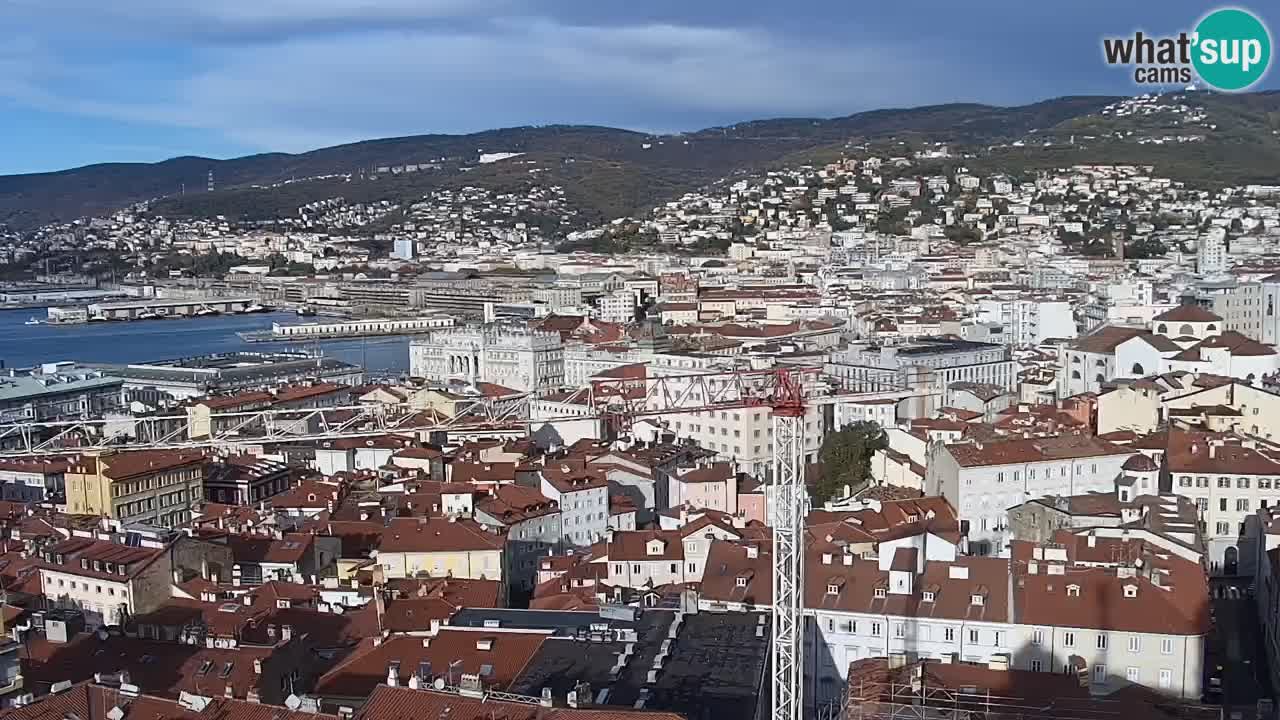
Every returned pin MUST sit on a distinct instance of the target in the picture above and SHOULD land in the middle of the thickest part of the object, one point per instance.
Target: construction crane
(788, 393)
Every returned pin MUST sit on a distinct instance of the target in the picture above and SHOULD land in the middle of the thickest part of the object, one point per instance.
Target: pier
(171, 307)
(350, 329)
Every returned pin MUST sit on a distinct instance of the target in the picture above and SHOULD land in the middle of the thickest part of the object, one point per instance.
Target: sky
(88, 81)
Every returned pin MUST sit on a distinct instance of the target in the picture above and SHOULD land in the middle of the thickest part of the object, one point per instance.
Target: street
(1235, 652)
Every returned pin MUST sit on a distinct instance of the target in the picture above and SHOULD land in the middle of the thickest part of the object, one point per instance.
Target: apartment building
(926, 365)
(531, 523)
(244, 479)
(1029, 320)
(582, 495)
(439, 547)
(151, 487)
(33, 479)
(1229, 479)
(983, 479)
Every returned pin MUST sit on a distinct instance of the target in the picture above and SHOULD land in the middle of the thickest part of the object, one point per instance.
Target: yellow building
(154, 487)
(440, 547)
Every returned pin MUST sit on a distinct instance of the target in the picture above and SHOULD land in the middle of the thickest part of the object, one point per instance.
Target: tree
(846, 458)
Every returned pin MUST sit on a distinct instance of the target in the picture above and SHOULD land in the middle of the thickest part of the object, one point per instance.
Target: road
(1236, 650)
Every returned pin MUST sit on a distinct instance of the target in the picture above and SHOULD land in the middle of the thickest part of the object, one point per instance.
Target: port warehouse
(351, 328)
(189, 306)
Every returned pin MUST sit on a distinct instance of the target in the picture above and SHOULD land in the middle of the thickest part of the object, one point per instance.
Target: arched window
(1075, 374)
(1162, 329)
(1186, 330)
(1211, 327)
(1075, 359)
(1099, 379)
(1137, 369)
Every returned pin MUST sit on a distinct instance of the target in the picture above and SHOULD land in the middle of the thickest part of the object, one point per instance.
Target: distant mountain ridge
(635, 168)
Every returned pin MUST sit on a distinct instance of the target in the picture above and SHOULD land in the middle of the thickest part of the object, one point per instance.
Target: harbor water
(141, 341)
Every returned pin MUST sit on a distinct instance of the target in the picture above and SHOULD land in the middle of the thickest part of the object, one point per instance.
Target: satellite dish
(293, 702)
(438, 684)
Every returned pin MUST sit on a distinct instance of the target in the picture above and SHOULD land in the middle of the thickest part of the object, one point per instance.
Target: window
(875, 629)
(1102, 642)
(899, 630)
(1166, 646)
(949, 634)
(1224, 528)
(1202, 482)
(1036, 666)
(1069, 639)
(1242, 504)
(1073, 590)
(1264, 483)
(973, 636)
(928, 596)
(1222, 504)
(1131, 674)
(879, 592)
(1137, 369)
(1224, 482)
(1099, 673)
(1242, 483)
(1037, 637)
(1184, 482)
(1166, 678)
(975, 600)
(1202, 504)
(1135, 643)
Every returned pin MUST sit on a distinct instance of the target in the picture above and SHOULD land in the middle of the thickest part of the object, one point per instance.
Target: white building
(618, 306)
(984, 479)
(1211, 252)
(1029, 321)
(509, 355)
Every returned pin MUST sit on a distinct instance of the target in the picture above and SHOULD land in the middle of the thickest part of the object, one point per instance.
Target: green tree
(846, 458)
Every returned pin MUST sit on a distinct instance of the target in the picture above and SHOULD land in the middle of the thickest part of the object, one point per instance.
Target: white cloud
(298, 92)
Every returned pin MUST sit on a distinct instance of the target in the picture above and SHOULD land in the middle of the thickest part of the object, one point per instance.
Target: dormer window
(1131, 591)
(928, 597)
(975, 599)
(879, 592)
(1073, 590)
(833, 589)
(742, 582)
(913, 518)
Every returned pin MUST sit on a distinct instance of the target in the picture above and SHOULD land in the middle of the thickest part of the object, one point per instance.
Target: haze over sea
(143, 341)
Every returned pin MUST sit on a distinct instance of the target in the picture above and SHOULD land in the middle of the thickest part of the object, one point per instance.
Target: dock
(172, 307)
(383, 327)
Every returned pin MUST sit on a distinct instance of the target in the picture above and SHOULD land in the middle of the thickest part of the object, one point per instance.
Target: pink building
(713, 486)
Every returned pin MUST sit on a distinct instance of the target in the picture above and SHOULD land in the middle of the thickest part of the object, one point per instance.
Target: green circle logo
(1232, 49)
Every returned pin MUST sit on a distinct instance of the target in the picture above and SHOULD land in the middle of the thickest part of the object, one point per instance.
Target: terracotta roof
(1106, 338)
(387, 703)
(633, 545)
(92, 702)
(1140, 463)
(1212, 454)
(427, 535)
(1024, 450)
(459, 651)
(1188, 314)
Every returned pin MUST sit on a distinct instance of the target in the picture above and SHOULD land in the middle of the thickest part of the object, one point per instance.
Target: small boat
(205, 311)
(256, 308)
(32, 321)
(146, 315)
(306, 312)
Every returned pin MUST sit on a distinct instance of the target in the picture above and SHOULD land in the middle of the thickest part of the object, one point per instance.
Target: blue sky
(86, 81)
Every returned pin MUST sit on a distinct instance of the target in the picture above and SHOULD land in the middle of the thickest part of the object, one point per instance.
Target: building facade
(507, 355)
